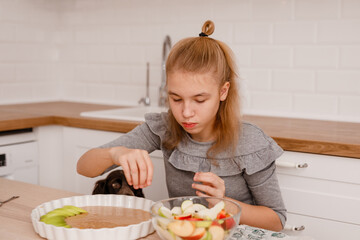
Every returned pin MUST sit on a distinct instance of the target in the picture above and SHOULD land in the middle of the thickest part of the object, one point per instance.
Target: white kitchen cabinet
(324, 197)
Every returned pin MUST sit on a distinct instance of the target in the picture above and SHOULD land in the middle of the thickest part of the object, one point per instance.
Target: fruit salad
(193, 221)
(57, 216)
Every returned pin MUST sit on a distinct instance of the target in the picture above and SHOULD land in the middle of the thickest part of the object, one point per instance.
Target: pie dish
(133, 231)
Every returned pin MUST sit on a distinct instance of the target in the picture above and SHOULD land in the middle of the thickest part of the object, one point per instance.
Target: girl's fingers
(211, 184)
(201, 194)
(150, 169)
(134, 172)
(141, 164)
(209, 190)
(209, 178)
(126, 169)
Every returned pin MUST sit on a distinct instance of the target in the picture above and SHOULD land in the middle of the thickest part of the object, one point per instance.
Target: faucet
(162, 89)
(146, 100)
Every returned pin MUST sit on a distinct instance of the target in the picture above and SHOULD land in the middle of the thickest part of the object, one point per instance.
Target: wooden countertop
(310, 136)
(15, 218)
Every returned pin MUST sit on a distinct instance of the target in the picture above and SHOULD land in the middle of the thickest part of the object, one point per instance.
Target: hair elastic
(203, 35)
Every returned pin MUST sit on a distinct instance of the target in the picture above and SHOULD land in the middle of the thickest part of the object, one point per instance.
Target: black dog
(115, 183)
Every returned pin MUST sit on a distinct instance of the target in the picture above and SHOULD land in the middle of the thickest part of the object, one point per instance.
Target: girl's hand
(136, 163)
(212, 185)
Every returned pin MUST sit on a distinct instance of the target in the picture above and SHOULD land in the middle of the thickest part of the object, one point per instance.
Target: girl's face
(194, 100)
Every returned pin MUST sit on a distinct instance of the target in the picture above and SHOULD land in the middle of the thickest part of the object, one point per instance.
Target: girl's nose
(187, 110)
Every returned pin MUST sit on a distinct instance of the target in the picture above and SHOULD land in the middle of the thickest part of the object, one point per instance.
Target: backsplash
(296, 58)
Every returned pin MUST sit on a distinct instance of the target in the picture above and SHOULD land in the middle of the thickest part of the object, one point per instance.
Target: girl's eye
(176, 99)
(200, 101)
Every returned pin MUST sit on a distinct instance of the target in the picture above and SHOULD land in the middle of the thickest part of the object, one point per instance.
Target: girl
(207, 150)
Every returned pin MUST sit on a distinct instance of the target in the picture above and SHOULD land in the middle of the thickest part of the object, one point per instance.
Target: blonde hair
(199, 55)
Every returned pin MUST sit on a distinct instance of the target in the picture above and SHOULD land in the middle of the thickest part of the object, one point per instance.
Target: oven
(19, 155)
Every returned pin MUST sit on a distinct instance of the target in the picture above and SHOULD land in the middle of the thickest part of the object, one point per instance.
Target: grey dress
(249, 177)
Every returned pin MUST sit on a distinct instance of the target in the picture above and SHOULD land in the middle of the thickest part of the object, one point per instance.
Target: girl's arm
(259, 216)
(136, 164)
(94, 162)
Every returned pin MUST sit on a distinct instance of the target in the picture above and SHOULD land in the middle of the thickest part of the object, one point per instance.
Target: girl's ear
(224, 91)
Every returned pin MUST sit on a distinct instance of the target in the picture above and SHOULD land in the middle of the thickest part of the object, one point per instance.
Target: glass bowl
(195, 218)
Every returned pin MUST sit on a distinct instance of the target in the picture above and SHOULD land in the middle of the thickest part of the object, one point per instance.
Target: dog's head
(115, 183)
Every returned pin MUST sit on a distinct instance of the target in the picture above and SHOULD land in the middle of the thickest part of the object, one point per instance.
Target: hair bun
(208, 28)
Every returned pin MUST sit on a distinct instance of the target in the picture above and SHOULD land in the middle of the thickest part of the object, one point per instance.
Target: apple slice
(207, 236)
(185, 204)
(165, 212)
(204, 214)
(164, 233)
(197, 234)
(183, 216)
(182, 228)
(194, 208)
(221, 214)
(217, 232)
(229, 222)
(176, 211)
(203, 223)
(163, 222)
(197, 207)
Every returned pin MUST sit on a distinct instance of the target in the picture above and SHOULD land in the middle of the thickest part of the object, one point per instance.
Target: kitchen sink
(129, 114)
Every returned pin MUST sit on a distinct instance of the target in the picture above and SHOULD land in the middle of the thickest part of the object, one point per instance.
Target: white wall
(297, 58)
(27, 52)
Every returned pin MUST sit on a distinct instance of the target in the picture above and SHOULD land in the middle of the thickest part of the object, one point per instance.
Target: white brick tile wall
(297, 58)
(101, 54)
(344, 82)
(26, 33)
(316, 104)
(232, 10)
(349, 106)
(316, 57)
(294, 33)
(252, 33)
(275, 101)
(293, 81)
(89, 73)
(270, 57)
(100, 92)
(7, 31)
(32, 73)
(350, 57)
(271, 10)
(316, 9)
(117, 74)
(7, 73)
(242, 55)
(350, 9)
(339, 32)
(256, 80)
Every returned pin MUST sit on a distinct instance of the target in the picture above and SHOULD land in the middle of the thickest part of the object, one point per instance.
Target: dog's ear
(100, 187)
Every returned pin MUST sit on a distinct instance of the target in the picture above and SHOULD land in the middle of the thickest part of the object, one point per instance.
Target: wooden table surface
(301, 135)
(15, 222)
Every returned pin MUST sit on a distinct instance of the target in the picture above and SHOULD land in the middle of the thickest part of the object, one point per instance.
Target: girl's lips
(188, 125)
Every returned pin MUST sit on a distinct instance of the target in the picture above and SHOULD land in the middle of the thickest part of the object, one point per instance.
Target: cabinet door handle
(294, 228)
(291, 164)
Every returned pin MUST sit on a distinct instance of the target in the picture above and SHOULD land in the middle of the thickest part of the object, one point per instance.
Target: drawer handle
(291, 164)
(294, 228)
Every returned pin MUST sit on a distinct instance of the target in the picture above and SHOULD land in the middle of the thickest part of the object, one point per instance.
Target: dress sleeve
(259, 167)
(146, 136)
